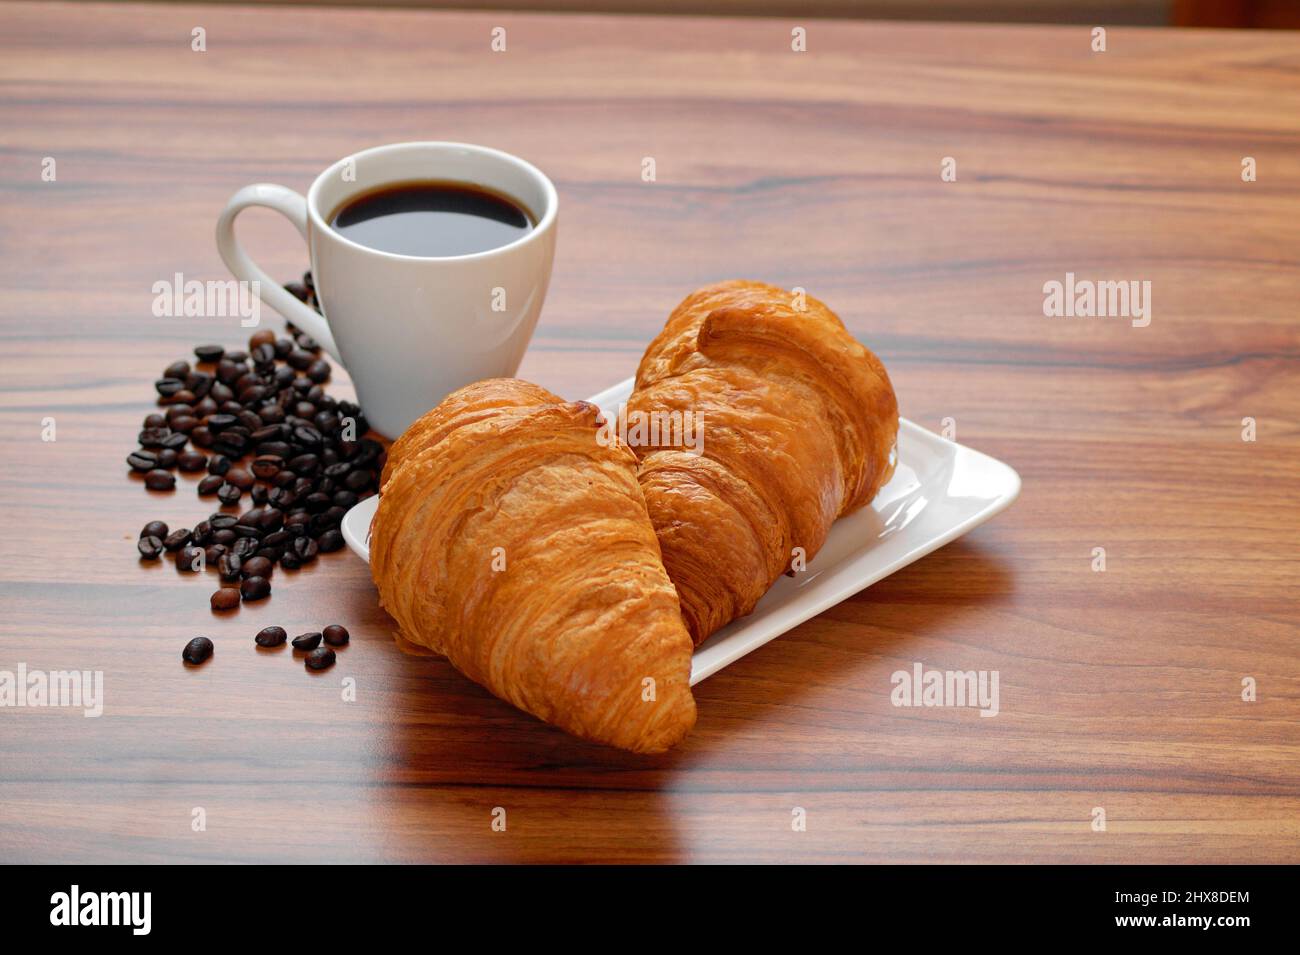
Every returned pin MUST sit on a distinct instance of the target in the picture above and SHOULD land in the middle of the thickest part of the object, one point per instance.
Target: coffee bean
(229, 566)
(244, 547)
(201, 437)
(257, 567)
(159, 480)
(322, 658)
(154, 421)
(168, 387)
(270, 637)
(255, 588)
(319, 371)
(202, 534)
(214, 553)
(142, 460)
(304, 549)
(177, 539)
(167, 459)
(176, 440)
(307, 641)
(240, 478)
(263, 337)
(153, 437)
(336, 635)
(227, 598)
(218, 464)
(190, 560)
(208, 352)
(290, 561)
(150, 547)
(264, 354)
(190, 461)
(155, 529)
(177, 369)
(227, 493)
(197, 651)
(210, 485)
(330, 541)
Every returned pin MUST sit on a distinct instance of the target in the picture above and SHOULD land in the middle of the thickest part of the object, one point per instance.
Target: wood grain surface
(1120, 690)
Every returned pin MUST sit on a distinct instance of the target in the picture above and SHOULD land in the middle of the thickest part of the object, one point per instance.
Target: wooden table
(1120, 690)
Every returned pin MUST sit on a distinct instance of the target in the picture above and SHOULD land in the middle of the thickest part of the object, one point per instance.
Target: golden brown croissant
(513, 541)
(799, 424)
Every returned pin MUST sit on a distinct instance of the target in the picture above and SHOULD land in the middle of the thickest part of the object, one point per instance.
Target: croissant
(513, 540)
(798, 424)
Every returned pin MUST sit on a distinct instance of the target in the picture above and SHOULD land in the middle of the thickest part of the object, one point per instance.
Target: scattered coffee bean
(197, 651)
(322, 658)
(177, 539)
(227, 598)
(330, 541)
(210, 485)
(142, 460)
(227, 493)
(229, 566)
(271, 637)
(208, 352)
(150, 547)
(336, 635)
(307, 641)
(154, 529)
(257, 567)
(159, 480)
(255, 588)
(191, 560)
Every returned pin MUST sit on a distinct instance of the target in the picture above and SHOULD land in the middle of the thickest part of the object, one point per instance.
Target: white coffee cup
(410, 330)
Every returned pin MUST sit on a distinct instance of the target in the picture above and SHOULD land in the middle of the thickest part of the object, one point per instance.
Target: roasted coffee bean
(307, 437)
(270, 637)
(300, 359)
(177, 539)
(153, 437)
(154, 420)
(218, 464)
(272, 519)
(359, 480)
(177, 369)
(266, 467)
(201, 437)
(290, 561)
(237, 355)
(218, 423)
(150, 547)
(205, 407)
(197, 651)
(252, 395)
(277, 538)
(319, 371)
(248, 530)
(168, 387)
(167, 459)
(307, 343)
(202, 533)
(257, 567)
(307, 641)
(255, 588)
(244, 547)
(240, 478)
(159, 480)
(271, 414)
(273, 554)
(229, 566)
(228, 494)
(279, 449)
(214, 553)
(330, 541)
(184, 423)
(249, 420)
(210, 485)
(270, 432)
(222, 522)
(228, 371)
(226, 537)
(336, 635)
(182, 397)
(263, 354)
(155, 529)
(344, 499)
(305, 549)
(322, 658)
(142, 460)
(316, 502)
(280, 497)
(251, 517)
(191, 560)
(176, 440)
(226, 598)
(258, 493)
(190, 461)
(208, 352)
(263, 337)
(304, 464)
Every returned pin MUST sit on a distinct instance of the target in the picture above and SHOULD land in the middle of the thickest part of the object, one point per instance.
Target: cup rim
(544, 224)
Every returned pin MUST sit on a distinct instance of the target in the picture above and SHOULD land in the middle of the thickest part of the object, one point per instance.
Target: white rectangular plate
(939, 491)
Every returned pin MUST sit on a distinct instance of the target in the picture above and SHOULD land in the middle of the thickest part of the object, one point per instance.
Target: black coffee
(431, 219)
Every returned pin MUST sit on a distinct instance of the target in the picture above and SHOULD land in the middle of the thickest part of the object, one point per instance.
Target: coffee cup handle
(293, 207)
